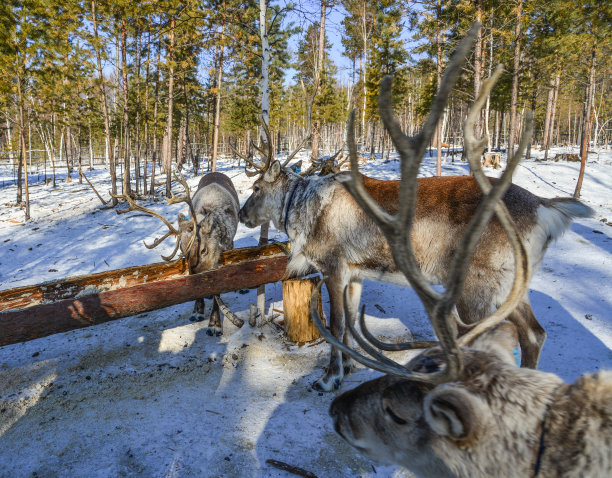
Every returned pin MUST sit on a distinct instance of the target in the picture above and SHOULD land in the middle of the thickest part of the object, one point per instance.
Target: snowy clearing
(153, 395)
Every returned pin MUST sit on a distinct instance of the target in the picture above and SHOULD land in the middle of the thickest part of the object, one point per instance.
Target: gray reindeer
(202, 236)
(454, 411)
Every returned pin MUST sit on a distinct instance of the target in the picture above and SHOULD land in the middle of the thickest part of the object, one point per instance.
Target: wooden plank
(242, 268)
(80, 286)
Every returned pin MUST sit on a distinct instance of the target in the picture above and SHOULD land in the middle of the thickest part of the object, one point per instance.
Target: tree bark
(217, 119)
(586, 120)
(515, 77)
(127, 183)
(167, 142)
(265, 115)
(107, 135)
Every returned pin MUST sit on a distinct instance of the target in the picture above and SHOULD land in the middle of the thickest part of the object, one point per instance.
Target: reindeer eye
(255, 189)
(394, 417)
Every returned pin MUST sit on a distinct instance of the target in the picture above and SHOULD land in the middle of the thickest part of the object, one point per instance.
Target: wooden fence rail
(32, 312)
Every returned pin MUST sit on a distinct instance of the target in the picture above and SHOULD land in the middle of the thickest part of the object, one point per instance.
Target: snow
(153, 395)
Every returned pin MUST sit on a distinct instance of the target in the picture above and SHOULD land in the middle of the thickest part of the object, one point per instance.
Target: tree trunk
(586, 121)
(22, 148)
(478, 61)
(167, 142)
(127, 184)
(515, 78)
(217, 118)
(438, 132)
(265, 114)
(316, 133)
(110, 160)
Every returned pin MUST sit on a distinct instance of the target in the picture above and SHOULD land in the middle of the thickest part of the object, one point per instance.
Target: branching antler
(172, 231)
(439, 305)
(268, 153)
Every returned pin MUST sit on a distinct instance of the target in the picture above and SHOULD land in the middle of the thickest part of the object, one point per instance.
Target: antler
(133, 206)
(439, 305)
(269, 154)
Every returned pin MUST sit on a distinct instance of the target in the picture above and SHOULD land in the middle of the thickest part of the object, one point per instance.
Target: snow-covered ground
(153, 395)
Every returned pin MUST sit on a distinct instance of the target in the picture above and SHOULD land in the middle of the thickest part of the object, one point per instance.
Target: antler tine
(158, 241)
(521, 259)
(247, 160)
(386, 366)
(355, 186)
(187, 198)
(414, 344)
(397, 228)
(296, 151)
(136, 207)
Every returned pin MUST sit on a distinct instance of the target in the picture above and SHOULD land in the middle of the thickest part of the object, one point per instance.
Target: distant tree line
(152, 83)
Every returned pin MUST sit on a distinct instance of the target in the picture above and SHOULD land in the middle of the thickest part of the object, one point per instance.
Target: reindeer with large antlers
(331, 232)
(454, 411)
(202, 236)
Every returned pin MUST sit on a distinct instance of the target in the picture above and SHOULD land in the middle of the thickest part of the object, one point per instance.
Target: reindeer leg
(355, 288)
(531, 334)
(198, 311)
(214, 324)
(334, 373)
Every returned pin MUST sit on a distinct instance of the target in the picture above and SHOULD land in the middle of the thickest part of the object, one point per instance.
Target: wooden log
(70, 288)
(240, 269)
(53, 291)
(297, 295)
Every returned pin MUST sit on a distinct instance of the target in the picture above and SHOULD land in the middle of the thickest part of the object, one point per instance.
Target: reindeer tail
(558, 213)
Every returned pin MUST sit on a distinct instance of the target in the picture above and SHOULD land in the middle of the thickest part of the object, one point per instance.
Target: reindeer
(454, 411)
(202, 236)
(330, 232)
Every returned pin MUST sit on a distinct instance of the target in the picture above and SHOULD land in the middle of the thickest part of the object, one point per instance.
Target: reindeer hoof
(349, 368)
(214, 331)
(331, 385)
(197, 318)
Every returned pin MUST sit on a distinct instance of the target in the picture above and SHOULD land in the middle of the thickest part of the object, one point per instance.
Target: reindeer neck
(288, 202)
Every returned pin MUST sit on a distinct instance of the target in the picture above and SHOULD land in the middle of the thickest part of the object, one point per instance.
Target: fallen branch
(92, 187)
(296, 470)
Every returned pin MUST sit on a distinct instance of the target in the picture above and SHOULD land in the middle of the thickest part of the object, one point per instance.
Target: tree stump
(297, 296)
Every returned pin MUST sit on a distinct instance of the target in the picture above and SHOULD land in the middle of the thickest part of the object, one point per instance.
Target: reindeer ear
(502, 341)
(273, 172)
(454, 412)
(184, 223)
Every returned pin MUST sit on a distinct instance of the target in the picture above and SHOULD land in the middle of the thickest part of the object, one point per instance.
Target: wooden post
(297, 295)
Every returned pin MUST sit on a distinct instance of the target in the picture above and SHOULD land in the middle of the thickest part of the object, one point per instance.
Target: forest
(139, 86)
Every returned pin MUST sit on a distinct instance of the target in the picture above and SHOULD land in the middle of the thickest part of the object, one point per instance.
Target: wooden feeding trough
(31, 312)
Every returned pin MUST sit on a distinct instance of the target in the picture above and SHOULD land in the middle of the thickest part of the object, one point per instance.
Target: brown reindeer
(202, 236)
(330, 232)
(467, 412)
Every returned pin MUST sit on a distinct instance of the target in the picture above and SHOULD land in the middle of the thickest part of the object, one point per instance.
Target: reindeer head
(447, 429)
(202, 252)
(265, 203)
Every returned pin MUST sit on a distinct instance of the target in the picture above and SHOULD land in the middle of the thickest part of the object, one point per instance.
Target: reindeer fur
(331, 233)
(216, 206)
(494, 420)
